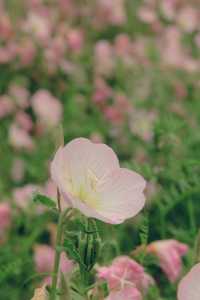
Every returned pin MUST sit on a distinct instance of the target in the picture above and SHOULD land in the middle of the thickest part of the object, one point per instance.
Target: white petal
(121, 195)
(189, 287)
(81, 164)
(83, 156)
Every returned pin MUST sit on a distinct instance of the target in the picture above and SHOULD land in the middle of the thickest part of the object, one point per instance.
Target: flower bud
(89, 245)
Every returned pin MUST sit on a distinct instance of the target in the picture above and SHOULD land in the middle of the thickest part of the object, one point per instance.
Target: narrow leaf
(44, 200)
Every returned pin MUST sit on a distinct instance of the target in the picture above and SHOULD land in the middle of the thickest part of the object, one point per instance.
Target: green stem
(57, 257)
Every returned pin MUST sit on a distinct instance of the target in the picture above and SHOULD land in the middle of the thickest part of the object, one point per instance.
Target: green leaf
(44, 200)
(73, 253)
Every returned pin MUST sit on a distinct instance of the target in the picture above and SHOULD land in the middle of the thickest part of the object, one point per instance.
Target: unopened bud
(89, 245)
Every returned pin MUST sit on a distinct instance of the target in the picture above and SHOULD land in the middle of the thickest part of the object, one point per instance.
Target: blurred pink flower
(47, 108)
(173, 52)
(128, 293)
(68, 7)
(122, 102)
(7, 53)
(124, 272)
(188, 18)
(114, 114)
(180, 89)
(103, 58)
(168, 8)
(20, 139)
(171, 48)
(20, 95)
(22, 195)
(55, 51)
(35, 4)
(169, 253)
(189, 287)
(110, 12)
(147, 14)
(122, 45)
(89, 177)
(39, 26)
(26, 52)
(24, 121)
(6, 106)
(75, 39)
(5, 217)
(141, 123)
(139, 51)
(6, 30)
(44, 260)
(102, 91)
(18, 170)
(50, 189)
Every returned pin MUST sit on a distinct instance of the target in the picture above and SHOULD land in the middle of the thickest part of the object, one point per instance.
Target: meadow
(124, 73)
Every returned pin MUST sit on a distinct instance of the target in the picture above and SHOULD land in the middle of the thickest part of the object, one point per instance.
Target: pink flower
(89, 177)
(147, 15)
(24, 121)
(141, 123)
(111, 12)
(20, 139)
(47, 108)
(6, 106)
(104, 60)
(128, 293)
(188, 18)
(169, 253)
(5, 217)
(68, 8)
(168, 8)
(171, 48)
(5, 55)
(75, 39)
(123, 46)
(26, 51)
(122, 103)
(102, 91)
(123, 272)
(23, 195)
(20, 95)
(55, 52)
(50, 189)
(39, 26)
(189, 287)
(44, 260)
(173, 53)
(114, 114)
(6, 30)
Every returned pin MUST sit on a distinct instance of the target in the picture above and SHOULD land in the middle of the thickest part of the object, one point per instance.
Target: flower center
(87, 191)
